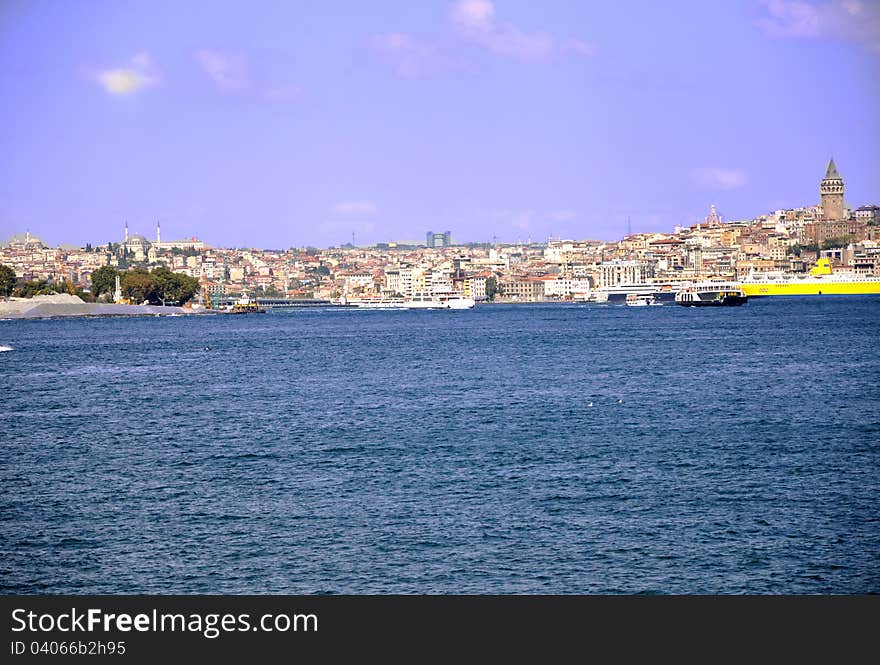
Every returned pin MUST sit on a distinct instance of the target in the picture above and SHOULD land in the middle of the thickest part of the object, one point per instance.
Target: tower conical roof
(831, 172)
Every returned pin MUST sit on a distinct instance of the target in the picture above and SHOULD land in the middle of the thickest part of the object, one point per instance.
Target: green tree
(187, 287)
(492, 288)
(104, 280)
(173, 287)
(139, 286)
(33, 288)
(832, 243)
(85, 296)
(7, 280)
(165, 284)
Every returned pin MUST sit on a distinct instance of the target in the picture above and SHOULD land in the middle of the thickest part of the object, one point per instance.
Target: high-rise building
(831, 193)
(439, 239)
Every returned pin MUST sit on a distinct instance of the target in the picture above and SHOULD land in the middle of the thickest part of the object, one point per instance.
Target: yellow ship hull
(811, 288)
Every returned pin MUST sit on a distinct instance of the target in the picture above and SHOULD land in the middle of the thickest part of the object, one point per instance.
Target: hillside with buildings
(555, 270)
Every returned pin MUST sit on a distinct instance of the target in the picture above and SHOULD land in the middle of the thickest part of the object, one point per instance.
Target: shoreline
(67, 306)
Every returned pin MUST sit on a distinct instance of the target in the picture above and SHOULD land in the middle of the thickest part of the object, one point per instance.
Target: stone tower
(831, 192)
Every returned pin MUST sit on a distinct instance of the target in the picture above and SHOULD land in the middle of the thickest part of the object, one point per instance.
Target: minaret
(831, 193)
(126, 232)
(117, 294)
(158, 233)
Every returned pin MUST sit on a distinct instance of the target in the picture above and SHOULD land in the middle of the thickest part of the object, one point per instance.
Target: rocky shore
(63, 305)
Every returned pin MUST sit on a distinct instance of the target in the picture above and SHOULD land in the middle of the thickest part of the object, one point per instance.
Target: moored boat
(821, 280)
(419, 300)
(711, 294)
(245, 305)
(641, 300)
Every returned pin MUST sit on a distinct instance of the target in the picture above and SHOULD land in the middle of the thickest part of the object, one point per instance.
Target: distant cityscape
(558, 269)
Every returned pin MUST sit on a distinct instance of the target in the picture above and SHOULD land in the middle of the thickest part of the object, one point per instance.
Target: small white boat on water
(641, 300)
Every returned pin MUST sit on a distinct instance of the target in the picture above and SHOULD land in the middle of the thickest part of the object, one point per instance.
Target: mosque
(142, 249)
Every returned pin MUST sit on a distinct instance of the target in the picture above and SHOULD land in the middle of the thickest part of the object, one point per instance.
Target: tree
(104, 280)
(832, 243)
(139, 286)
(492, 288)
(7, 279)
(165, 284)
(33, 288)
(172, 287)
(187, 287)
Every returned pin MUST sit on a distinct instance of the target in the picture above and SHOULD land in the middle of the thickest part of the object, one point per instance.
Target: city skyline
(296, 126)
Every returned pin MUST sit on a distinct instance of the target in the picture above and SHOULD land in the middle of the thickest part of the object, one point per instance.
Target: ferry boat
(820, 281)
(374, 302)
(645, 300)
(617, 293)
(439, 300)
(245, 305)
(712, 294)
(419, 300)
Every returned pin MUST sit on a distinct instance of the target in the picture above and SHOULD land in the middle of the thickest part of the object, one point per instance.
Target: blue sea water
(731, 450)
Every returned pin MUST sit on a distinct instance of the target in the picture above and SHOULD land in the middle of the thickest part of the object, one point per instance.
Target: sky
(287, 124)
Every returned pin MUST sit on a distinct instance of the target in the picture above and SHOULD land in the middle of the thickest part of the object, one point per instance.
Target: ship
(618, 293)
(712, 294)
(439, 300)
(419, 300)
(635, 300)
(245, 305)
(820, 281)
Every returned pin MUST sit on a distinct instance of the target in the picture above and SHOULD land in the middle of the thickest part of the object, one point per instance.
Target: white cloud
(229, 71)
(720, 178)
(409, 56)
(849, 20)
(355, 208)
(475, 21)
(474, 14)
(139, 73)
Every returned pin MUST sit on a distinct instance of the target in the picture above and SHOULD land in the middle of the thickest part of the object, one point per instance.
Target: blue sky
(279, 124)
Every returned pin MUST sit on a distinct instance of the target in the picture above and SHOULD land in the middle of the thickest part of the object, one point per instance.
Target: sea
(508, 449)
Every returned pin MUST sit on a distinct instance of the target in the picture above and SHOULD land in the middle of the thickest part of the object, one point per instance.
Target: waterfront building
(616, 271)
(474, 286)
(523, 289)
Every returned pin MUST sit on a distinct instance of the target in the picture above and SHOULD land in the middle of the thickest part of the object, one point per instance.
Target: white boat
(419, 300)
(374, 302)
(712, 294)
(641, 300)
(593, 295)
(438, 300)
(662, 291)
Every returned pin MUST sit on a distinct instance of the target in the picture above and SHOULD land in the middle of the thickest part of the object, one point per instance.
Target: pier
(281, 303)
